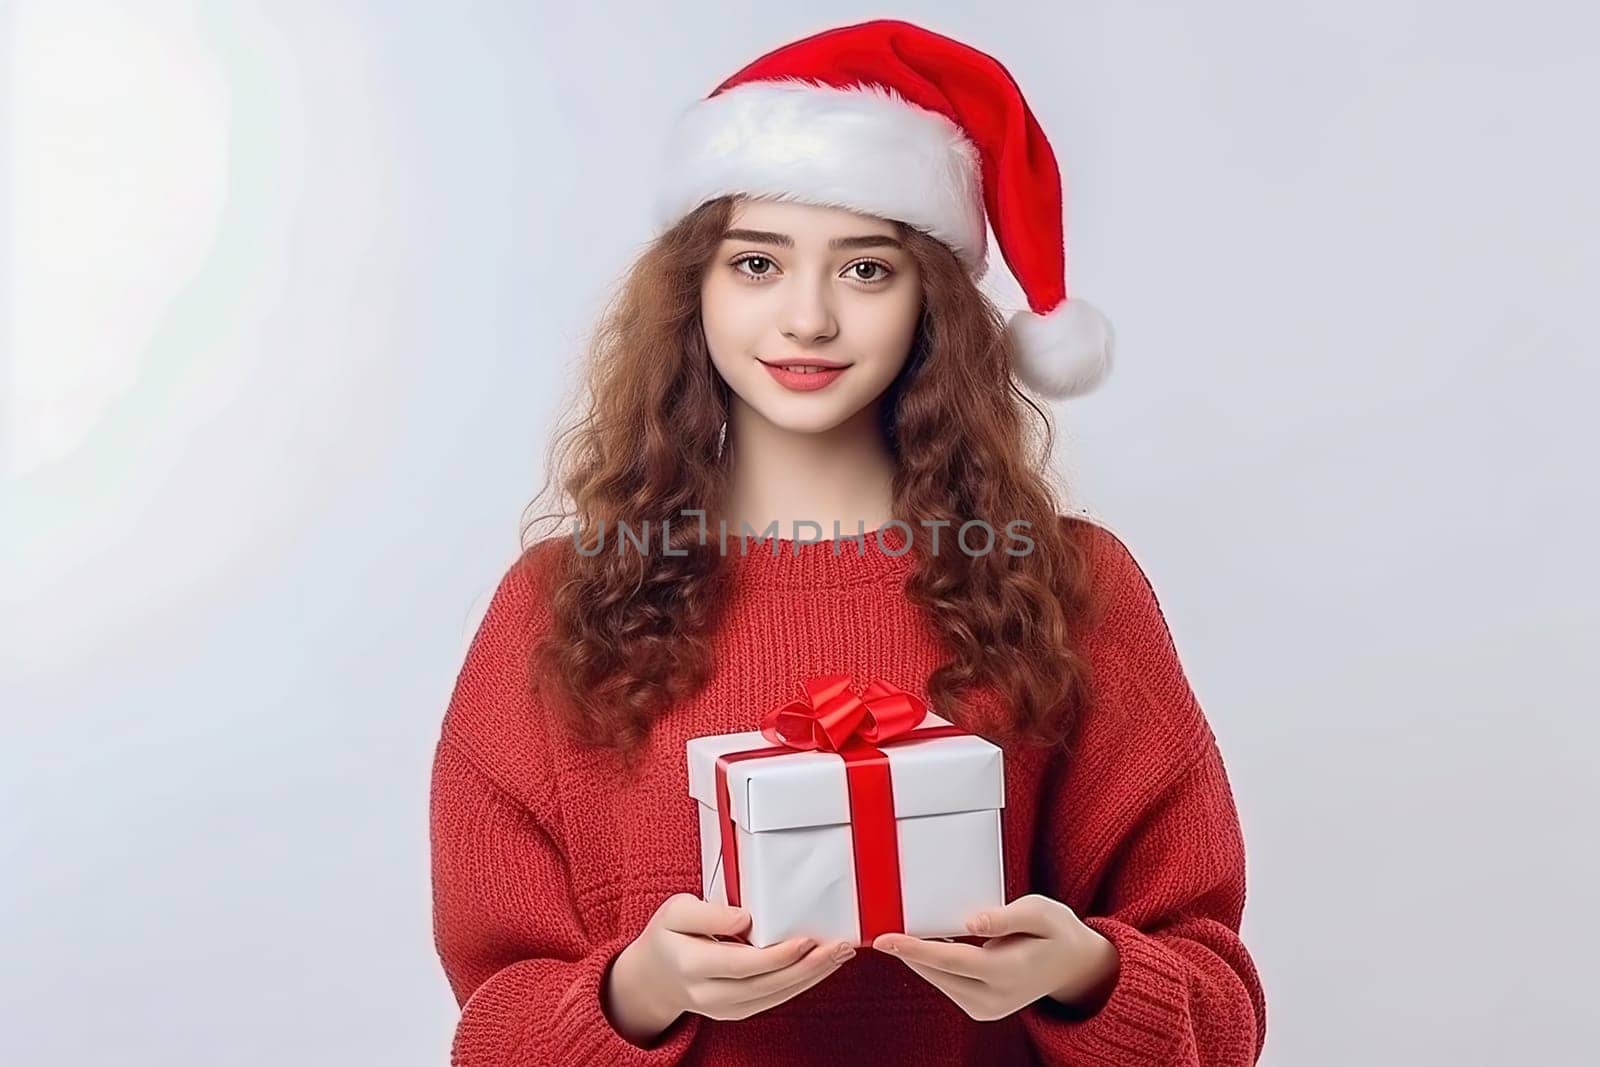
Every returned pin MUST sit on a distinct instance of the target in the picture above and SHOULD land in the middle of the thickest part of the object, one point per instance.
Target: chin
(803, 415)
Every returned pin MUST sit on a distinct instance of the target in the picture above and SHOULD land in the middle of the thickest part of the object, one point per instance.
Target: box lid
(933, 777)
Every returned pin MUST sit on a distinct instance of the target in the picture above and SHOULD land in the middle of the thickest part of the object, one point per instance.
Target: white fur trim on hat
(864, 148)
(1064, 353)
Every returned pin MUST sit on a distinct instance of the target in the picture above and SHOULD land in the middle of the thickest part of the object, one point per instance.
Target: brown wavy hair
(629, 631)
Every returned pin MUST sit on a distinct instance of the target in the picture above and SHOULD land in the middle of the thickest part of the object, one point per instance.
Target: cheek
(726, 319)
(714, 322)
(892, 326)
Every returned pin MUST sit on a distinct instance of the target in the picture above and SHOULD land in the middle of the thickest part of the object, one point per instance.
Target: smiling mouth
(803, 368)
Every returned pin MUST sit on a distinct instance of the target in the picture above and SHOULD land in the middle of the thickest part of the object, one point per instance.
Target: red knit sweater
(543, 869)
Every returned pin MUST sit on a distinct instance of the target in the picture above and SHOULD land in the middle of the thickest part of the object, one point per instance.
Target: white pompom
(1064, 353)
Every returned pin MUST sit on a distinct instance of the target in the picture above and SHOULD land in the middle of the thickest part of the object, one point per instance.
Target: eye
(882, 268)
(753, 258)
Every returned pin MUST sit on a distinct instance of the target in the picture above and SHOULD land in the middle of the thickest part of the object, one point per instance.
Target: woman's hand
(675, 966)
(1037, 947)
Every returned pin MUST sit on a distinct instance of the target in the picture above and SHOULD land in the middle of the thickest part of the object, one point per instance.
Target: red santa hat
(888, 119)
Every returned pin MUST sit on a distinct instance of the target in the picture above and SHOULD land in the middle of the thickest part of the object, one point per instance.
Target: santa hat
(888, 119)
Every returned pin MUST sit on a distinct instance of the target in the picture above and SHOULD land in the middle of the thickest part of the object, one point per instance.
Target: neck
(843, 475)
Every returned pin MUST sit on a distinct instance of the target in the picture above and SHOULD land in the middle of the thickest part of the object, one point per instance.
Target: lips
(803, 381)
(795, 364)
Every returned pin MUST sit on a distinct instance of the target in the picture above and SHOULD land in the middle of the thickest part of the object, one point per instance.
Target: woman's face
(778, 291)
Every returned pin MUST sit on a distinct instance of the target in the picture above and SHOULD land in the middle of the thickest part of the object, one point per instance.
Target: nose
(807, 316)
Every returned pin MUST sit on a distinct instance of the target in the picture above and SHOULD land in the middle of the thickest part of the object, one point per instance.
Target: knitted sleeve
(523, 965)
(1168, 869)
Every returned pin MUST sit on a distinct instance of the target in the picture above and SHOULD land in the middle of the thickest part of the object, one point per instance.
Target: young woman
(825, 208)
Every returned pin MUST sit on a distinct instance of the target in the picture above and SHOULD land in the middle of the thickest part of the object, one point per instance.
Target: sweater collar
(785, 563)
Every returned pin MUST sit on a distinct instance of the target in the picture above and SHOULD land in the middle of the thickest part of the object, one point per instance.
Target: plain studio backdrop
(295, 293)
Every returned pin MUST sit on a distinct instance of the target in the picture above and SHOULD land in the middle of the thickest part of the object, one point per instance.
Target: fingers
(968, 994)
(753, 1007)
(951, 957)
(686, 913)
(767, 990)
(717, 960)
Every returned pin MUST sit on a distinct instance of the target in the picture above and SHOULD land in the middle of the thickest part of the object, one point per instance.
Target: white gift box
(796, 859)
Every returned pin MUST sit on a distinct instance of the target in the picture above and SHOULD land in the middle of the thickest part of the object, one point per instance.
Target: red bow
(831, 715)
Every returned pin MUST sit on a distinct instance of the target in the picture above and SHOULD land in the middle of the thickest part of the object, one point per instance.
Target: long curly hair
(629, 631)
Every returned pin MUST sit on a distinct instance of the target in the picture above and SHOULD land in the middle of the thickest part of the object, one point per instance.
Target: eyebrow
(783, 240)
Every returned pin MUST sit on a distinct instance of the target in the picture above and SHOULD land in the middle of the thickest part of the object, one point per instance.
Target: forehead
(803, 221)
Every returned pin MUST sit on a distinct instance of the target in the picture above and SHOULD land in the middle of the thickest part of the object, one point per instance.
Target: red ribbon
(832, 718)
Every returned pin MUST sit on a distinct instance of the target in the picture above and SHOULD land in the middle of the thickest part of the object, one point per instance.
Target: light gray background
(282, 358)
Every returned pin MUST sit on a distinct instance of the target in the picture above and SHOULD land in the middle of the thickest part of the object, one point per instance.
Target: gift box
(848, 815)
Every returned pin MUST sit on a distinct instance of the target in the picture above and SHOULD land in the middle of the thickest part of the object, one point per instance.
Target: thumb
(702, 917)
(727, 920)
(1025, 915)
